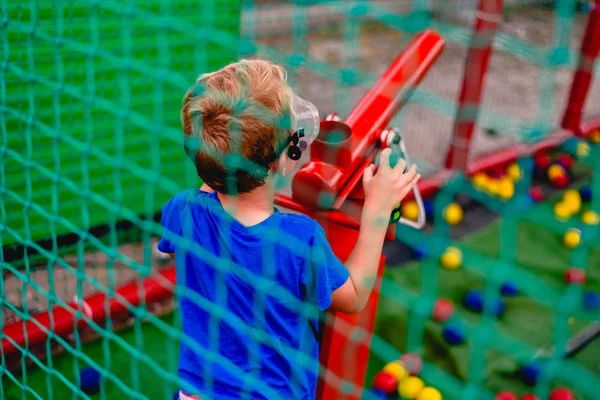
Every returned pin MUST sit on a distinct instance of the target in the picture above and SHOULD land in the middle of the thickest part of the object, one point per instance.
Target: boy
(243, 267)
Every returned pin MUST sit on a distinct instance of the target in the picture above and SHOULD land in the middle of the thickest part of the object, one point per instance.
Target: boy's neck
(250, 208)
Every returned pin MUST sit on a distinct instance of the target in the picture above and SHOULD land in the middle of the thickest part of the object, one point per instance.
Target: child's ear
(285, 165)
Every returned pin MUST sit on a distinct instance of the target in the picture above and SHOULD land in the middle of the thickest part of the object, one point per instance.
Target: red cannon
(328, 188)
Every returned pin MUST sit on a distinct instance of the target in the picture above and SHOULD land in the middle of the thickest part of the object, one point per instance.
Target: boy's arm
(383, 191)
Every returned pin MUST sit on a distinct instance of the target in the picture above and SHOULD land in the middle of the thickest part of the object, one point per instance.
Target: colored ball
(429, 207)
(385, 382)
(594, 136)
(429, 393)
(410, 387)
(509, 289)
(410, 210)
(590, 218)
(396, 368)
(555, 170)
(572, 238)
(572, 198)
(536, 193)
(575, 276)
(566, 161)
(530, 397)
(496, 172)
(560, 182)
(493, 187)
(582, 150)
(586, 193)
(453, 214)
(419, 252)
(591, 301)
(378, 394)
(514, 172)
(89, 380)
(530, 373)
(474, 300)
(507, 189)
(561, 394)
(443, 310)
(453, 334)
(452, 258)
(480, 181)
(506, 396)
(412, 363)
(562, 211)
(542, 161)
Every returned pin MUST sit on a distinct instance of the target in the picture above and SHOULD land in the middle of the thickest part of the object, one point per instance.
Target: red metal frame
(476, 66)
(582, 80)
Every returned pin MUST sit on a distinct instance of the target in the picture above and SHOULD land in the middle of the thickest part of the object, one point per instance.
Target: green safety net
(92, 149)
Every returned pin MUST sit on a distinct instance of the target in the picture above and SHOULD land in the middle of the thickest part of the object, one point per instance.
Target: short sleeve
(324, 272)
(171, 222)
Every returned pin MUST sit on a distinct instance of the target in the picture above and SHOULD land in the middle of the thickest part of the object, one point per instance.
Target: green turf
(540, 252)
(137, 375)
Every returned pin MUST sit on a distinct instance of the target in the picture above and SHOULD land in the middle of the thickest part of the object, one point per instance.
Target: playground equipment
(77, 181)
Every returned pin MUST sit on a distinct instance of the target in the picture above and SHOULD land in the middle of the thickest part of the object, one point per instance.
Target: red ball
(566, 161)
(560, 182)
(506, 396)
(536, 193)
(442, 310)
(496, 172)
(542, 161)
(530, 397)
(412, 363)
(561, 394)
(575, 276)
(385, 382)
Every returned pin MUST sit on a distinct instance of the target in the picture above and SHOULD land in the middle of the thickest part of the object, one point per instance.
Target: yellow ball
(429, 393)
(583, 149)
(493, 187)
(410, 387)
(507, 189)
(480, 180)
(562, 210)
(410, 210)
(396, 368)
(574, 204)
(452, 258)
(453, 214)
(594, 136)
(590, 218)
(555, 170)
(572, 238)
(514, 172)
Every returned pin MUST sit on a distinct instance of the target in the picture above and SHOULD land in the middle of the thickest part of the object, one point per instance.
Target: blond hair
(243, 110)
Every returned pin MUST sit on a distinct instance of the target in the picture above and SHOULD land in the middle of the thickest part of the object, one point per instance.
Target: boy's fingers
(368, 174)
(408, 187)
(384, 160)
(399, 167)
(408, 175)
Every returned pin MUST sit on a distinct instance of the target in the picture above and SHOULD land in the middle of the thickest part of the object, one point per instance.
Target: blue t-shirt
(237, 326)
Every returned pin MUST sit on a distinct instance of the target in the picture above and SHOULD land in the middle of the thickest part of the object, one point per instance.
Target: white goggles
(306, 122)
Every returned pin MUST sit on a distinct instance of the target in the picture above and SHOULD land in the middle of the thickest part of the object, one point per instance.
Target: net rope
(91, 149)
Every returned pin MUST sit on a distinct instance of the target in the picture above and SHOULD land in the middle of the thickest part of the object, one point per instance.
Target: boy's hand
(388, 186)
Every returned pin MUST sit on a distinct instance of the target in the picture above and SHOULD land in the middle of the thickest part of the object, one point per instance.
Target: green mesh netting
(92, 149)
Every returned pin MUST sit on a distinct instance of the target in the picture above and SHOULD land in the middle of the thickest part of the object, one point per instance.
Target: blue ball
(89, 379)
(474, 300)
(586, 193)
(509, 289)
(453, 334)
(378, 394)
(429, 208)
(419, 252)
(591, 301)
(530, 373)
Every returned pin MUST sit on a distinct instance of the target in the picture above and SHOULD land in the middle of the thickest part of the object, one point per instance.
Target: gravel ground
(512, 88)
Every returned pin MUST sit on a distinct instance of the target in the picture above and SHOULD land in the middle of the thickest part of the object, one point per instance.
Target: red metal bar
(582, 80)
(61, 321)
(336, 177)
(486, 21)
